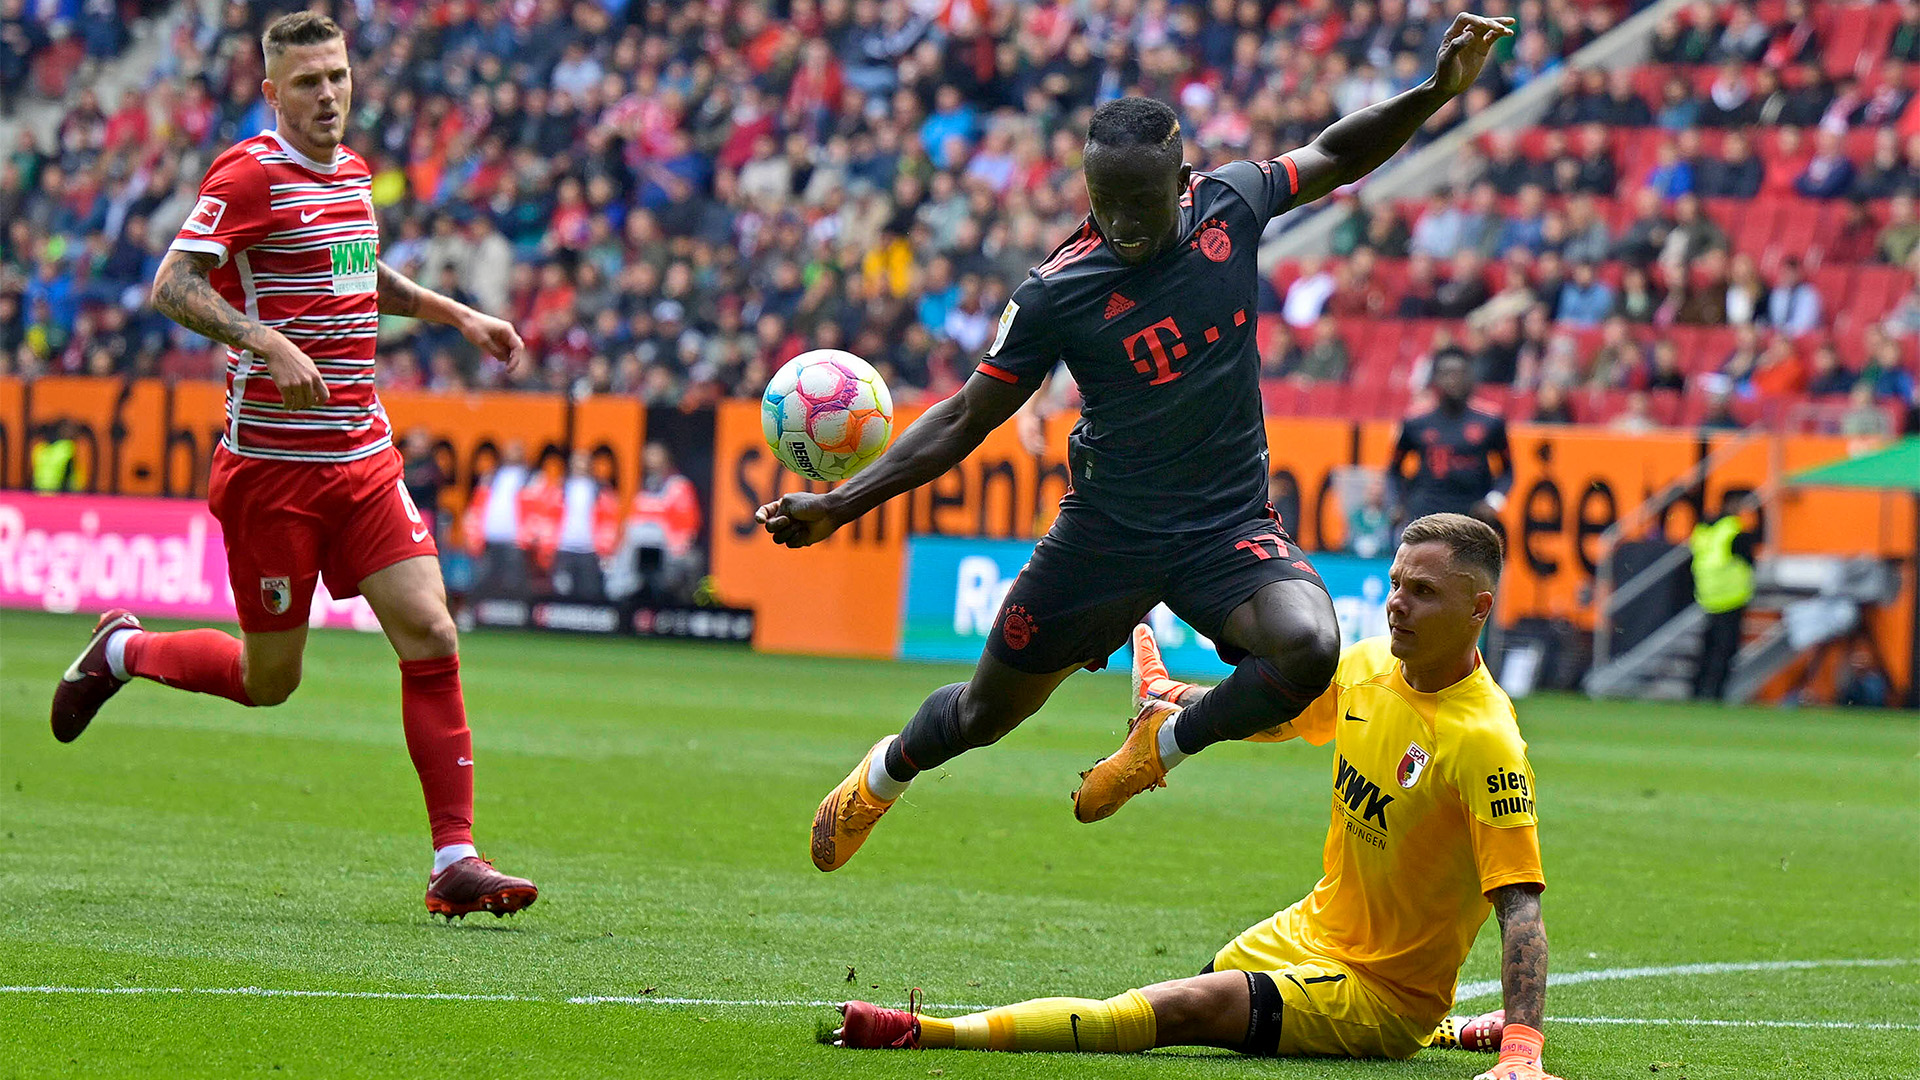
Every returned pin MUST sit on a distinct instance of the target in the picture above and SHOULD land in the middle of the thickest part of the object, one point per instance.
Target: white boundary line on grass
(374, 995)
(1466, 992)
(1490, 987)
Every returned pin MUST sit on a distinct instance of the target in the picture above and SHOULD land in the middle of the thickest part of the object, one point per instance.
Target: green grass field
(661, 796)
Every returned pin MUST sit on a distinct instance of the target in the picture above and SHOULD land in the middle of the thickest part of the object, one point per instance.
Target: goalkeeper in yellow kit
(1433, 827)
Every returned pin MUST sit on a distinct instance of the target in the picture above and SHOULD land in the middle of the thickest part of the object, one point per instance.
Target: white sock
(1170, 753)
(879, 780)
(452, 853)
(117, 653)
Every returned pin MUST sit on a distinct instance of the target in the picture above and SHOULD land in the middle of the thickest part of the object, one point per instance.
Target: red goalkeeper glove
(1520, 1048)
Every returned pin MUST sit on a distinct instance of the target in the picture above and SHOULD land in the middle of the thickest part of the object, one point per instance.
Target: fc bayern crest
(1412, 765)
(1215, 244)
(276, 595)
(1017, 628)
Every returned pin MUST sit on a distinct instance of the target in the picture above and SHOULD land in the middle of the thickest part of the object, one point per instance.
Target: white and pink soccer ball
(826, 414)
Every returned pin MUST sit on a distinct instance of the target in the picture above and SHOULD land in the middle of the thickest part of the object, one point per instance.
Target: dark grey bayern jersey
(1171, 437)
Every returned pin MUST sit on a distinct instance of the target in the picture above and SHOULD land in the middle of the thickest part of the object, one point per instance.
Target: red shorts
(286, 523)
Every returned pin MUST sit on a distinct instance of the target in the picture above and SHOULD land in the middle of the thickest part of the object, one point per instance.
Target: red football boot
(866, 1026)
(472, 884)
(89, 682)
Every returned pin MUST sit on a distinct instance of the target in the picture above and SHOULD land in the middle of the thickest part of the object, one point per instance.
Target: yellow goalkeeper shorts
(1329, 1010)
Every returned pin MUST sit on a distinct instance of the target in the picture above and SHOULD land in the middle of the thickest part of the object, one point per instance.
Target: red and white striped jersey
(297, 242)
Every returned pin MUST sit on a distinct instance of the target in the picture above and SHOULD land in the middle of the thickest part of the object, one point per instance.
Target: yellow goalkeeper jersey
(1432, 808)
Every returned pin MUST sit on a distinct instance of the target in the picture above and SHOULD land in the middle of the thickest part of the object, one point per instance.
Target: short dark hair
(1129, 122)
(1469, 540)
(297, 28)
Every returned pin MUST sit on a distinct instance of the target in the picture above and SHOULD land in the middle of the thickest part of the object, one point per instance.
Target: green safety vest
(1722, 581)
(51, 464)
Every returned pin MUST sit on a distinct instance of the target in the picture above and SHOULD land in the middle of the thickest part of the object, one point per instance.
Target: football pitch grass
(661, 795)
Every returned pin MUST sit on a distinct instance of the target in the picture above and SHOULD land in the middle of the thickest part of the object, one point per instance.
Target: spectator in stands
(1441, 232)
(1864, 416)
(1810, 92)
(1701, 298)
(1729, 97)
(1679, 109)
(1854, 239)
(1746, 292)
(1550, 406)
(1640, 299)
(1735, 174)
(1678, 42)
(1647, 236)
(1356, 292)
(1587, 239)
(1886, 369)
(1623, 107)
(1744, 38)
(1522, 229)
(1782, 373)
(1718, 415)
(1637, 417)
(1465, 288)
(1829, 174)
(1307, 296)
(1793, 307)
(1904, 43)
(1887, 173)
(1618, 358)
(1672, 173)
(1901, 236)
(1498, 361)
(1663, 372)
(1418, 298)
(1507, 170)
(1795, 38)
(1480, 229)
(1387, 233)
(1585, 300)
(1830, 378)
(1889, 100)
(1694, 234)
(1326, 360)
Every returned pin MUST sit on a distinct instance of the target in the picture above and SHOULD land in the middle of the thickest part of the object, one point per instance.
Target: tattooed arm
(1523, 952)
(401, 296)
(182, 293)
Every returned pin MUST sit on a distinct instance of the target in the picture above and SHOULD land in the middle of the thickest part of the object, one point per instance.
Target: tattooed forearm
(182, 293)
(1523, 953)
(398, 295)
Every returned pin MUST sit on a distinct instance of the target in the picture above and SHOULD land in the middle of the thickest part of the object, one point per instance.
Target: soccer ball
(826, 414)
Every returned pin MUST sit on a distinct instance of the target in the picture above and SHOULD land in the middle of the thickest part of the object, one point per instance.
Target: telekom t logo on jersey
(1158, 359)
(1152, 354)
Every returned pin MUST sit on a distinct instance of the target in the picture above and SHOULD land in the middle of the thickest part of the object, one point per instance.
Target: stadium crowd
(668, 200)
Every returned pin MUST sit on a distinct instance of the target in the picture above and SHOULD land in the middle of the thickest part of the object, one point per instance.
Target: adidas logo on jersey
(1117, 306)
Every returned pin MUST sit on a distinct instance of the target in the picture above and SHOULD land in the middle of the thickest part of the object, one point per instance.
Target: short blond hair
(295, 29)
(1470, 541)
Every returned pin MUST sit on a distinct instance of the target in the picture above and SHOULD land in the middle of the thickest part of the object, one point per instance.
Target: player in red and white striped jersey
(280, 262)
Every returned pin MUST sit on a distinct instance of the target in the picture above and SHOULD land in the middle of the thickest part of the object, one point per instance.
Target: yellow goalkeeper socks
(1118, 1025)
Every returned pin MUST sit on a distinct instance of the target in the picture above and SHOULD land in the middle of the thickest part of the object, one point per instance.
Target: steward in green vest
(54, 467)
(1722, 585)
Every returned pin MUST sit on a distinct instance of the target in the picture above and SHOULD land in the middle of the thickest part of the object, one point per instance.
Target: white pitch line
(263, 991)
(1655, 1021)
(1490, 987)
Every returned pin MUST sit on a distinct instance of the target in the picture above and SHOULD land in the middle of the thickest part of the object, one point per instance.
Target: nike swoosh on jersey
(463, 761)
(1356, 719)
(306, 217)
(419, 535)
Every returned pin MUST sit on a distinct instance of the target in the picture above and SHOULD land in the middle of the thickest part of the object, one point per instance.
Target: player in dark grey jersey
(1150, 304)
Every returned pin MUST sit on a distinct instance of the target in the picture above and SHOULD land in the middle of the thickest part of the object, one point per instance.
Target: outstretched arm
(1523, 953)
(400, 295)
(183, 293)
(939, 440)
(1355, 145)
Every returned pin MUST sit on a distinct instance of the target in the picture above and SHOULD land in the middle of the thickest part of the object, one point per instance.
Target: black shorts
(1078, 599)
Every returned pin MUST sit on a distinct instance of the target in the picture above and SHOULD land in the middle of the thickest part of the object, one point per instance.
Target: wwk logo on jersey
(355, 267)
(276, 595)
(206, 215)
(1362, 796)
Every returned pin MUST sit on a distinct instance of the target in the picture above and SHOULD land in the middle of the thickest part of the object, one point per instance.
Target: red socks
(203, 661)
(434, 714)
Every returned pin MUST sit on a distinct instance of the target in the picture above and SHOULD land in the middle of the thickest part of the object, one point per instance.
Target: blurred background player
(1461, 461)
(278, 261)
(1151, 304)
(1433, 827)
